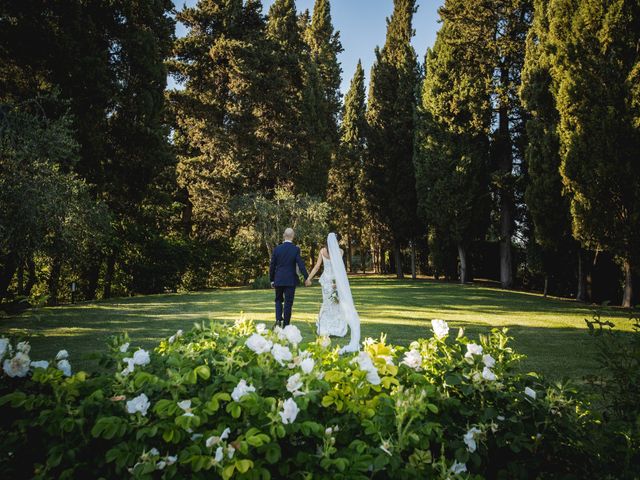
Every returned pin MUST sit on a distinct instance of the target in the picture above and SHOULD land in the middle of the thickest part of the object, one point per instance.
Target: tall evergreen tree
(226, 116)
(107, 60)
(322, 98)
(324, 46)
(452, 144)
(546, 203)
(391, 104)
(493, 34)
(596, 70)
(345, 192)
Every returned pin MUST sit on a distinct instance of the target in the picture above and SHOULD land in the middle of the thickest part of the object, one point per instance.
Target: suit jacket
(282, 271)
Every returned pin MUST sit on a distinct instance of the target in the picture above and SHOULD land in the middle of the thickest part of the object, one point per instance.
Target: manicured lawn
(551, 332)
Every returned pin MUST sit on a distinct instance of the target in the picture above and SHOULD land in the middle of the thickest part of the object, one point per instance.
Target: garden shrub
(240, 401)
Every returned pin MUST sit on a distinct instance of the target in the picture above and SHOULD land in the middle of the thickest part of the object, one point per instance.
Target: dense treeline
(510, 153)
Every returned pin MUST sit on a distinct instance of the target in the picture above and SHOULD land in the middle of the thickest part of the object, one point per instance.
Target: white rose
(458, 468)
(18, 366)
(440, 328)
(225, 433)
(24, 347)
(258, 343)
(154, 452)
(530, 392)
(473, 349)
(175, 336)
(488, 360)
(324, 341)
(292, 334)
(138, 404)
(40, 364)
(241, 390)
(261, 328)
(219, 455)
(160, 465)
(124, 347)
(281, 353)
(130, 366)
(62, 354)
(366, 364)
(294, 384)
(487, 374)
(185, 405)
(307, 365)
(230, 451)
(412, 359)
(4, 343)
(141, 357)
(171, 459)
(289, 411)
(470, 439)
(65, 367)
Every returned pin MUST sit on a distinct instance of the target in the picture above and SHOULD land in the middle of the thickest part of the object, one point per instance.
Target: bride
(338, 310)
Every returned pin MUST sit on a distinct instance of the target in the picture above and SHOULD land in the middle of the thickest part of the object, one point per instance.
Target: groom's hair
(288, 233)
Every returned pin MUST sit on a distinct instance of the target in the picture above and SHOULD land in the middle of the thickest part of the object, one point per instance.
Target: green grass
(551, 332)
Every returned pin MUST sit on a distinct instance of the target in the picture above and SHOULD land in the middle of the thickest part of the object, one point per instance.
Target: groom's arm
(300, 263)
(272, 268)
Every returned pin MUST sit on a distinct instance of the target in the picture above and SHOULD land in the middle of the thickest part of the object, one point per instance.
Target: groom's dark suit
(284, 278)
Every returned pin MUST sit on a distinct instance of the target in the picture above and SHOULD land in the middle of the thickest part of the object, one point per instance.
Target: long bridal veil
(344, 294)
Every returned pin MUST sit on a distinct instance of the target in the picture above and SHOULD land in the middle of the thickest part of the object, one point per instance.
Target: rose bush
(239, 401)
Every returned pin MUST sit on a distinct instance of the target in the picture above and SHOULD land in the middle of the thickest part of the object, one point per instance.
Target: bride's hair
(324, 243)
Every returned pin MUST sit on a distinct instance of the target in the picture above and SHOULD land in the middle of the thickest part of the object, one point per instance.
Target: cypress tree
(345, 192)
(389, 168)
(546, 203)
(324, 47)
(596, 71)
(452, 145)
(493, 36)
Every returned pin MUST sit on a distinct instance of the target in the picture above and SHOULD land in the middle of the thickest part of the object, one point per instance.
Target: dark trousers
(286, 295)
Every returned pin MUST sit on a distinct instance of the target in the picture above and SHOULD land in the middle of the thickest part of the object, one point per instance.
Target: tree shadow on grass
(551, 332)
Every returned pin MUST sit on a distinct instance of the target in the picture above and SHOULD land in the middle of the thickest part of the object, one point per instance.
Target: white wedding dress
(334, 318)
(331, 319)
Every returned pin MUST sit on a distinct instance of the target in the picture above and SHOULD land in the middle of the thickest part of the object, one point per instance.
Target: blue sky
(362, 26)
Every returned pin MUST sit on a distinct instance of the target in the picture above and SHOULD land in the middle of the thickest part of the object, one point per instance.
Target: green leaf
(244, 465)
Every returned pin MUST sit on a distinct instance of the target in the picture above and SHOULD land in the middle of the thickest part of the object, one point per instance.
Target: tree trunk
(546, 285)
(90, 280)
(108, 276)
(462, 253)
(349, 254)
(397, 257)
(413, 260)
(31, 281)
(627, 296)
(21, 278)
(6, 275)
(54, 281)
(505, 166)
(581, 295)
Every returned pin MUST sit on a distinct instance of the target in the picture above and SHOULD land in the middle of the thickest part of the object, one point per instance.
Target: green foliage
(390, 181)
(45, 209)
(595, 79)
(345, 193)
(452, 145)
(213, 406)
(261, 220)
(617, 385)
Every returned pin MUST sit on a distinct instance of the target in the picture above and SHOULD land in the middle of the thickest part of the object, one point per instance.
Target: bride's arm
(316, 267)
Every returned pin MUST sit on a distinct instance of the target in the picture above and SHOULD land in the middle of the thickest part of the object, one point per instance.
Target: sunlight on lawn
(550, 331)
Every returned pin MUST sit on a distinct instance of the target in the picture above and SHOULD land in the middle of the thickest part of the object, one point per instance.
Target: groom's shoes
(277, 324)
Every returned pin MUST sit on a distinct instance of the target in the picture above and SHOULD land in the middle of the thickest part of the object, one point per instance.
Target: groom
(283, 275)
